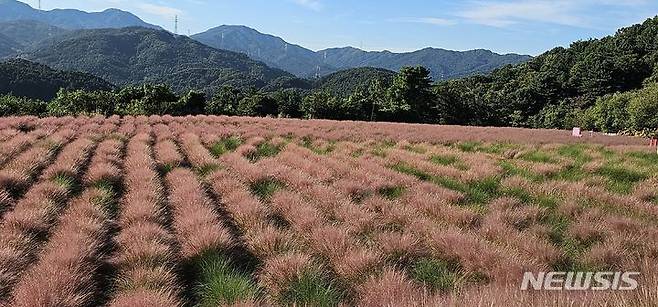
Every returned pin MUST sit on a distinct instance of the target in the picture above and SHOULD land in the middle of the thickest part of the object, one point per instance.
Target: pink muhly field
(221, 211)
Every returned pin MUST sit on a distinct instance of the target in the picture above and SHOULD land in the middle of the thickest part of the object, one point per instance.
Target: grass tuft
(264, 150)
(265, 188)
(225, 145)
(219, 283)
(311, 289)
(435, 274)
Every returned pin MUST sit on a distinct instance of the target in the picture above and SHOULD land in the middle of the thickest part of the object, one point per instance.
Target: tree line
(410, 97)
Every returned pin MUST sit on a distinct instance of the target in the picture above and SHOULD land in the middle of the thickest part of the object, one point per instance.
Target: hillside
(274, 51)
(346, 82)
(28, 33)
(444, 64)
(140, 55)
(12, 10)
(270, 49)
(7, 46)
(554, 89)
(27, 79)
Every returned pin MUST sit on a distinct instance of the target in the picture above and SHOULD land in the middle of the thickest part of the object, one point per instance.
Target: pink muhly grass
(166, 154)
(146, 298)
(158, 278)
(198, 155)
(143, 245)
(358, 264)
(438, 207)
(356, 220)
(302, 216)
(392, 288)
(5, 201)
(194, 219)
(282, 270)
(330, 242)
(268, 241)
(33, 213)
(399, 247)
(64, 274)
(70, 160)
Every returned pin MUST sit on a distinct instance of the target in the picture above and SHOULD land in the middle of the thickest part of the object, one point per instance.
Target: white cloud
(159, 10)
(502, 14)
(315, 5)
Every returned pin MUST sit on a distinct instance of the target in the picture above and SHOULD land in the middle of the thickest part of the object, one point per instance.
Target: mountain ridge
(140, 55)
(305, 63)
(12, 10)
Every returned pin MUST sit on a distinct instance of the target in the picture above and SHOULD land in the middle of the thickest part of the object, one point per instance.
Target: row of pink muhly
(33, 215)
(65, 274)
(145, 259)
(18, 173)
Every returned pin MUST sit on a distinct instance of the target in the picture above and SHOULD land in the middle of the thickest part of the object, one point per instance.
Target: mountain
(140, 55)
(27, 79)
(444, 64)
(302, 62)
(270, 49)
(26, 33)
(7, 46)
(345, 82)
(12, 10)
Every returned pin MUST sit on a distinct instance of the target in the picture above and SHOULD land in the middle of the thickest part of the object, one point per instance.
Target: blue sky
(519, 26)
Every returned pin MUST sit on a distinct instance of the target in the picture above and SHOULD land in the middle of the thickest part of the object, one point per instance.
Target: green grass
(537, 156)
(307, 142)
(219, 283)
(265, 188)
(206, 170)
(493, 148)
(416, 149)
(311, 289)
(264, 150)
(448, 160)
(575, 152)
(477, 193)
(225, 145)
(435, 274)
(621, 180)
(66, 181)
(392, 193)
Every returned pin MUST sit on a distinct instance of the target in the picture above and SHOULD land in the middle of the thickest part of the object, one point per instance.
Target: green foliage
(224, 102)
(392, 193)
(265, 188)
(311, 289)
(18, 106)
(31, 80)
(437, 275)
(411, 96)
(225, 145)
(264, 150)
(258, 104)
(219, 283)
(81, 102)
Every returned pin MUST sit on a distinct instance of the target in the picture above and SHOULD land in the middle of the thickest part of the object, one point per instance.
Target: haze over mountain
(25, 34)
(12, 10)
(140, 55)
(276, 52)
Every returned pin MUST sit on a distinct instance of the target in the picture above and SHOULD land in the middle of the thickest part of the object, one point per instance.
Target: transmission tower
(176, 24)
(39, 4)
